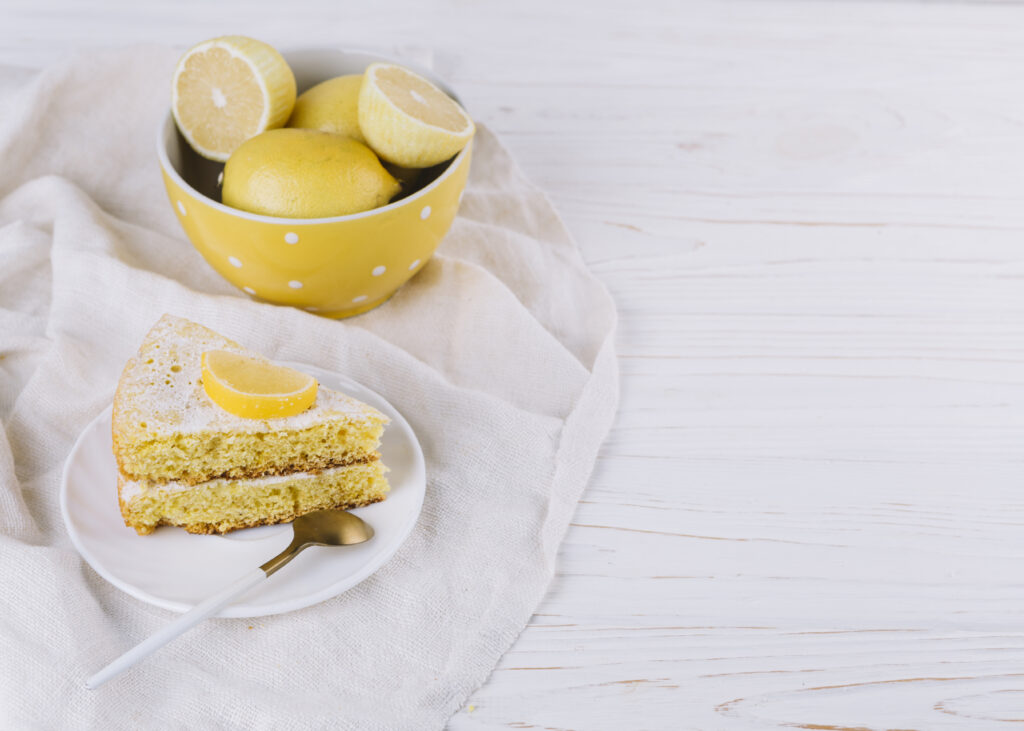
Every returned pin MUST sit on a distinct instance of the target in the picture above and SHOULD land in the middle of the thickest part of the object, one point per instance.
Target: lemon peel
(330, 106)
(304, 173)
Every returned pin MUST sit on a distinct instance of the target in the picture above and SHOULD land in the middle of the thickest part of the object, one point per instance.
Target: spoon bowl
(332, 528)
(321, 528)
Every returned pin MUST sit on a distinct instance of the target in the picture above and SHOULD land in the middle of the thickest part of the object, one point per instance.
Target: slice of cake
(185, 461)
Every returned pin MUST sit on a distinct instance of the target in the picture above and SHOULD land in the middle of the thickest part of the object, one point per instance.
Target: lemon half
(253, 388)
(228, 89)
(407, 120)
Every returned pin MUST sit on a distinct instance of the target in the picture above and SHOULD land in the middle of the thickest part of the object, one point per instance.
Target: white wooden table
(810, 511)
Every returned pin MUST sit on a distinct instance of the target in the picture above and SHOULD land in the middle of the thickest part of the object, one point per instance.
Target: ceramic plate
(176, 570)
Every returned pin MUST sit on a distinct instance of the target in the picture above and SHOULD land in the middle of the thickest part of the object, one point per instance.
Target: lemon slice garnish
(228, 89)
(254, 388)
(407, 120)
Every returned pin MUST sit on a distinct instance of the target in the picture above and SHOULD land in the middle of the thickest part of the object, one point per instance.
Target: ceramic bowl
(336, 267)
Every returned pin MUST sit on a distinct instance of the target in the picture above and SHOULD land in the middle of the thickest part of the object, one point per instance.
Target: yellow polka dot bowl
(336, 267)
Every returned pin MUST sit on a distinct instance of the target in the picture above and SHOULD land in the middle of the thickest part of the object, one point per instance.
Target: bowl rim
(169, 169)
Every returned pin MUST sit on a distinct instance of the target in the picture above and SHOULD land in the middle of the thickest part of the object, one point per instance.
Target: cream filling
(130, 489)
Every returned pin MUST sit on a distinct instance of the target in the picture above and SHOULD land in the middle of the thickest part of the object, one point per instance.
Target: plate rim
(240, 609)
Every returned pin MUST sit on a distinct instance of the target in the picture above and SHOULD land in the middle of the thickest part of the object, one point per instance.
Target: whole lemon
(331, 106)
(303, 173)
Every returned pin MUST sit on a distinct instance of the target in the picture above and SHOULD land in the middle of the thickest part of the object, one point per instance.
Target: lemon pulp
(253, 388)
(228, 89)
(407, 120)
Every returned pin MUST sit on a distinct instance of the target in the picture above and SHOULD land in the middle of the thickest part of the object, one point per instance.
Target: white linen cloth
(499, 353)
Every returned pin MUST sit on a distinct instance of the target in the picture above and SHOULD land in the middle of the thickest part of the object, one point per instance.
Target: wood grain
(809, 512)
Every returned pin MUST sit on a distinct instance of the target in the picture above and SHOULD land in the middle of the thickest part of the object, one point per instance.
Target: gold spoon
(322, 528)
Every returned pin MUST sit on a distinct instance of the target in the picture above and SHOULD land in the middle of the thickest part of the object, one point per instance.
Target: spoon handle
(206, 608)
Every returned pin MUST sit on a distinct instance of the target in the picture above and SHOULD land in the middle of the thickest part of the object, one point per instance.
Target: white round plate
(176, 570)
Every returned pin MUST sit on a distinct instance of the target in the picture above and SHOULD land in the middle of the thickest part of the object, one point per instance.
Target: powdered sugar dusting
(161, 390)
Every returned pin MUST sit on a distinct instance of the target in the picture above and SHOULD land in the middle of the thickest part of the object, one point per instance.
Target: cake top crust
(161, 390)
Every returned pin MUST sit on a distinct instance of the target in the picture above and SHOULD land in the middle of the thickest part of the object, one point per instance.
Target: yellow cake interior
(198, 456)
(221, 505)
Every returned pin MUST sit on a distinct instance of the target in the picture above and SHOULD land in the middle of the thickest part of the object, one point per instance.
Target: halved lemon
(407, 120)
(253, 388)
(228, 89)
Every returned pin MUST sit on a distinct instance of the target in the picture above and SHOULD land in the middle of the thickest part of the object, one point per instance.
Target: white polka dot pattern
(291, 238)
(425, 213)
(235, 262)
(378, 270)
